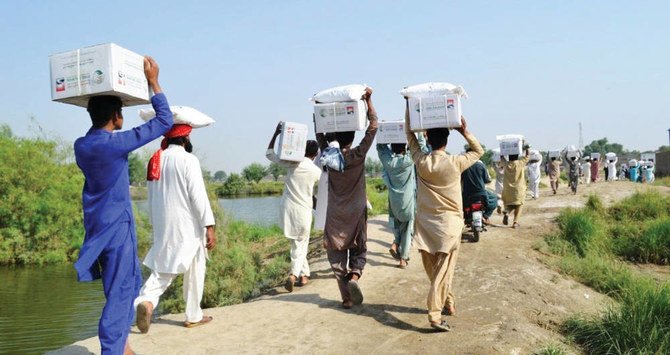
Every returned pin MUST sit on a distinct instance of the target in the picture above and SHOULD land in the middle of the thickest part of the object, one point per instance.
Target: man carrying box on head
(345, 233)
(514, 186)
(109, 250)
(401, 183)
(183, 228)
(295, 216)
(439, 213)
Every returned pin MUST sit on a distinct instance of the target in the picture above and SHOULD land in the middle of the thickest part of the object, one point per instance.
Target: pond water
(258, 210)
(44, 307)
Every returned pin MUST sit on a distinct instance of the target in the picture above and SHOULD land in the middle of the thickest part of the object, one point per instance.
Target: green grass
(551, 349)
(594, 244)
(378, 196)
(663, 181)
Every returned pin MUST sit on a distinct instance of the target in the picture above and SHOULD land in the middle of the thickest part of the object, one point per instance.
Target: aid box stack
(434, 105)
(391, 132)
(292, 141)
(340, 109)
(104, 69)
(510, 144)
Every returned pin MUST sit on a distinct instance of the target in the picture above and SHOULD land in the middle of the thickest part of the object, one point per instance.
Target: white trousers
(534, 187)
(194, 284)
(299, 265)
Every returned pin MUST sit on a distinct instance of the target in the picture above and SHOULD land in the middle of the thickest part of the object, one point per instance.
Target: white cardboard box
(510, 144)
(554, 154)
(391, 132)
(104, 69)
(292, 141)
(435, 112)
(340, 116)
(595, 156)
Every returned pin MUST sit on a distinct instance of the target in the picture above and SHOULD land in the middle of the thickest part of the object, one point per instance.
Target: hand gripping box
(340, 116)
(442, 111)
(391, 132)
(292, 141)
(104, 69)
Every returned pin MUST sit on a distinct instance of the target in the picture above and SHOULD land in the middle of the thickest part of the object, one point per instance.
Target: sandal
(442, 326)
(505, 219)
(347, 304)
(204, 320)
(290, 282)
(394, 254)
(143, 316)
(403, 265)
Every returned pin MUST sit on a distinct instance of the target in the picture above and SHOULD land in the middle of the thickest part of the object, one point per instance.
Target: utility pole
(581, 138)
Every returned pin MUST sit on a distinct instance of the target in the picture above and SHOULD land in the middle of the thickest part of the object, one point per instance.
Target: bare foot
(304, 280)
(127, 350)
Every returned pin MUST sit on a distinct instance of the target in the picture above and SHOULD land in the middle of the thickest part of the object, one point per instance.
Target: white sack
(432, 89)
(610, 156)
(340, 94)
(182, 115)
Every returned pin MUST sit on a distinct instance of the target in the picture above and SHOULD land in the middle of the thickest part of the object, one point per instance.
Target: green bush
(377, 196)
(582, 229)
(641, 206)
(640, 324)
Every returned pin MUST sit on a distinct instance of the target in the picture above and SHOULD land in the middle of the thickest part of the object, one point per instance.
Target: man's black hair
(398, 148)
(178, 140)
(103, 108)
(312, 148)
(514, 157)
(437, 137)
(345, 138)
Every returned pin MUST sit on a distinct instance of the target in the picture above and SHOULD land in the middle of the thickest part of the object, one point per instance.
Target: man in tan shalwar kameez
(345, 232)
(514, 187)
(439, 213)
(554, 173)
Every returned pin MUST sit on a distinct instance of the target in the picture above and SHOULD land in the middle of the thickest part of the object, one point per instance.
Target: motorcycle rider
(473, 187)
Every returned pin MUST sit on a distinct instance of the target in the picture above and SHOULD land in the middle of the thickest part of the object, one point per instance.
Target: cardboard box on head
(104, 69)
(554, 154)
(510, 144)
(340, 116)
(391, 132)
(595, 156)
(292, 141)
(435, 112)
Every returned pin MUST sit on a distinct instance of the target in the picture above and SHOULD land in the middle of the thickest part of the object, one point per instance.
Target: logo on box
(350, 110)
(450, 104)
(122, 78)
(60, 84)
(98, 77)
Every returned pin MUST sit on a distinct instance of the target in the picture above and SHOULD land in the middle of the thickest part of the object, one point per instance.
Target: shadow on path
(379, 312)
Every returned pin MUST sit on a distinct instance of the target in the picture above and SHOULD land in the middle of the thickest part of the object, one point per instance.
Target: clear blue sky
(532, 67)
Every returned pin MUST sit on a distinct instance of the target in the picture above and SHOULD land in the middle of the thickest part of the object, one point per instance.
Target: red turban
(154, 167)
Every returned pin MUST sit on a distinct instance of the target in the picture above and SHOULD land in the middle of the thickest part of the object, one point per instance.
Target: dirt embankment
(508, 301)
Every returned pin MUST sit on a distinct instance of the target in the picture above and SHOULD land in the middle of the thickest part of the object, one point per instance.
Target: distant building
(663, 164)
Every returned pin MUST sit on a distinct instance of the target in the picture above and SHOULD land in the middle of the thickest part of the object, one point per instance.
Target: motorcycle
(473, 214)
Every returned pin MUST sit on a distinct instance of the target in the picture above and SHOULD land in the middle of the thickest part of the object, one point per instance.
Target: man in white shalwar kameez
(295, 217)
(534, 174)
(183, 228)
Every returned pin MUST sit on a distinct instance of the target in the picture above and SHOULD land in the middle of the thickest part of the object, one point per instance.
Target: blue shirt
(103, 158)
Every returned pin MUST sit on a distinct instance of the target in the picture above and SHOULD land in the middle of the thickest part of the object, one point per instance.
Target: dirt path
(508, 301)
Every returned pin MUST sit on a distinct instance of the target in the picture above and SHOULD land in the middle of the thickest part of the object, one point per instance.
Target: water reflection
(44, 308)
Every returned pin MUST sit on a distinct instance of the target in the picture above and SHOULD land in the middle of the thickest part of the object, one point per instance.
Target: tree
(664, 148)
(137, 171)
(486, 158)
(254, 172)
(602, 146)
(5, 131)
(233, 185)
(206, 175)
(373, 167)
(220, 176)
(276, 170)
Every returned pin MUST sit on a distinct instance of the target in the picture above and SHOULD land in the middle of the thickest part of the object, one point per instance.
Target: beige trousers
(440, 270)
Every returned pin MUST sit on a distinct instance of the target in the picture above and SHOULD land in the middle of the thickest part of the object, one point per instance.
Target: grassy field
(596, 246)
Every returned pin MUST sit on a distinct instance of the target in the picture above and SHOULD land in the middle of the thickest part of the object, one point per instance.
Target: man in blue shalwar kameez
(110, 245)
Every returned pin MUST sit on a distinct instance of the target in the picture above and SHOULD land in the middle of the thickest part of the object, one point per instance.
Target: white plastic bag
(352, 92)
(182, 115)
(432, 89)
